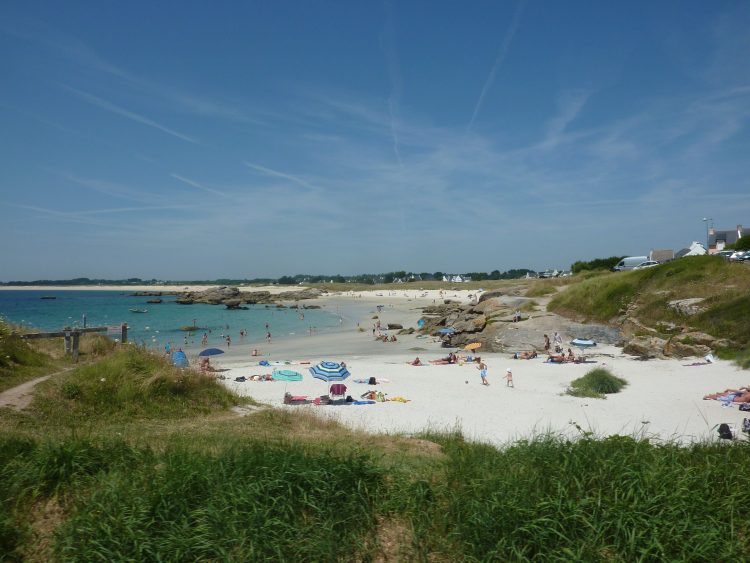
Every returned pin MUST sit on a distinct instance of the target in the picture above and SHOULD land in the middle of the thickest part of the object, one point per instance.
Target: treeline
(596, 264)
(402, 275)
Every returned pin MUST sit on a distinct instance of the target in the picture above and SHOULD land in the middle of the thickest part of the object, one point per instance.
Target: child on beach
(482, 367)
(509, 378)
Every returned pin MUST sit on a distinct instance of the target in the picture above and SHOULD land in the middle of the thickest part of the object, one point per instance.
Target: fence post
(76, 336)
(67, 340)
(124, 335)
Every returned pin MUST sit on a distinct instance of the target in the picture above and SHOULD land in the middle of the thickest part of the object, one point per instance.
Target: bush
(596, 384)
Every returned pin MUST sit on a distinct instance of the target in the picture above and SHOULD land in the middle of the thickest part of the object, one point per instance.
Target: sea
(161, 323)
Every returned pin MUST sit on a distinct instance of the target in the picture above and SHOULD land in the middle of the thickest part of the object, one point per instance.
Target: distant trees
(741, 244)
(596, 264)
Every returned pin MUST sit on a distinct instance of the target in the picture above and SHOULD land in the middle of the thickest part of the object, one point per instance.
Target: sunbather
(741, 395)
(524, 355)
(555, 359)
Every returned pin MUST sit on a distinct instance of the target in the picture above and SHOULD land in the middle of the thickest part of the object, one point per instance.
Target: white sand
(663, 398)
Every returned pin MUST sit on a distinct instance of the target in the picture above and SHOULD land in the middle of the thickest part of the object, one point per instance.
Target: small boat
(48, 297)
(154, 301)
(139, 310)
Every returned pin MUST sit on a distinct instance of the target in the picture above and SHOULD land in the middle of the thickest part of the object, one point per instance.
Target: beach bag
(725, 432)
(372, 381)
(745, 407)
(746, 425)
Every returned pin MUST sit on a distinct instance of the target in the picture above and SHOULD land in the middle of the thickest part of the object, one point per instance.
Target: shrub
(596, 384)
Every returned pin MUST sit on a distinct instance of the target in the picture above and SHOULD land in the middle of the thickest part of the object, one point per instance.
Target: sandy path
(19, 397)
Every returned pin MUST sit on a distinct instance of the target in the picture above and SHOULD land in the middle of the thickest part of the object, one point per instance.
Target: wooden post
(124, 335)
(76, 336)
(67, 340)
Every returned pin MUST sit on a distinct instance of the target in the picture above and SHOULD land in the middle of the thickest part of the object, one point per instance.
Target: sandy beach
(662, 400)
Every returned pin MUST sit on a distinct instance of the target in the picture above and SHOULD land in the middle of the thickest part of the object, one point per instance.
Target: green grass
(129, 384)
(540, 289)
(596, 384)
(19, 361)
(549, 499)
(724, 287)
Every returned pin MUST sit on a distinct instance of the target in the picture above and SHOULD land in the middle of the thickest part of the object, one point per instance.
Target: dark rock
(409, 330)
(394, 326)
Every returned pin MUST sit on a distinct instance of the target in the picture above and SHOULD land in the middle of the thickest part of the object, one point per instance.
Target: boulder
(409, 330)
(490, 307)
(645, 347)
(474, 324)
(491, 295)
(687, 307)
(394, 326)
(679, 349)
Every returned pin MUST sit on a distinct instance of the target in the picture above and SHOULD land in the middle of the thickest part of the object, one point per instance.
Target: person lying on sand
(524, 355)
(416, 362)
(741, 395)
(555, 359)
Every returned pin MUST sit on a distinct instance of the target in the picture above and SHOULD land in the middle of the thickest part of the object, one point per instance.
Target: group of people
(556, 340)
(562, 358)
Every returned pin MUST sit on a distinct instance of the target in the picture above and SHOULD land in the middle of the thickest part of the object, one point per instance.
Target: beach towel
(286, 375)
(362, 403)
(399, 399)
(263, 363)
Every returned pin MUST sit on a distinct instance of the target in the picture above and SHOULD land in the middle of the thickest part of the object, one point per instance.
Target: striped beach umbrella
(329, 371)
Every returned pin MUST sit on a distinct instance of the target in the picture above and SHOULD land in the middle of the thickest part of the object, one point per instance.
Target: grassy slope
(646, 292)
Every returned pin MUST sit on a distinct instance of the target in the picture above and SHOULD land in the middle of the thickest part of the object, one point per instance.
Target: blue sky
(196, 140)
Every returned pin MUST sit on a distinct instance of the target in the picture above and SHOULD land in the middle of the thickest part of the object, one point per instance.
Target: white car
(646, 264)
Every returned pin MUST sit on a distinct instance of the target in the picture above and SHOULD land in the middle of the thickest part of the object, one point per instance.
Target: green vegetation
(596, 384)
(19, 362)
(540, 289)
(129, 384)
(741, 244)
(596, 264)
(619, 499)
(646, 294)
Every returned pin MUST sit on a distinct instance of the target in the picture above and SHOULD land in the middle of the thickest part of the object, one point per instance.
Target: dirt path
(19, 397)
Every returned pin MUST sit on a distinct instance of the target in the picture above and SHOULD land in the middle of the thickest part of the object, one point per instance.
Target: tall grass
(131, 383)
(615, 499)
(19, 361)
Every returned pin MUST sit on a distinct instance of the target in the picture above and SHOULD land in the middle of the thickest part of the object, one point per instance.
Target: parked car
(646, 264)
(723, 254)
(740, 256)
(629, 263)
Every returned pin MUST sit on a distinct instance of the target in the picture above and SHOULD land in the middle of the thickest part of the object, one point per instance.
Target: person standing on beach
(558, 342)
(509, 378)
(268, 337)
(546, 343)
(482, 367)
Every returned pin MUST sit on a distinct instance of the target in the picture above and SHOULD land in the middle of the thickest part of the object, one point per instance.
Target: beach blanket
(286, 375)
(362, 403)
(398, 399)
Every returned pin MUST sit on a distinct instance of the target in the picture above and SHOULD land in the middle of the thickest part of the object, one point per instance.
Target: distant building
(661, 255)
(695, 249)
(456, 278)
(718, 240)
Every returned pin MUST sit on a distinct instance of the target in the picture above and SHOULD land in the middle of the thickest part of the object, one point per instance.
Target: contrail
(499, 60)
(391, 56)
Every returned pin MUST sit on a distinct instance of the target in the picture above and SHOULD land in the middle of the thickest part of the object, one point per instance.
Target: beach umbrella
(582, 344)
(211, 352)
(447, 330)
(329, 371)
(473, 346)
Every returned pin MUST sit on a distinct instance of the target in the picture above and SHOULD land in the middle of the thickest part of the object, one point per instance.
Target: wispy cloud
(109, 106)
(198, 185)
(391, 57)
(278, 174)
(502, 53)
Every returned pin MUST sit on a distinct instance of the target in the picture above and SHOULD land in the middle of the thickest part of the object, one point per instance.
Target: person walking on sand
(268, 337)
(482, 367)
(557, 339)
(509, 378)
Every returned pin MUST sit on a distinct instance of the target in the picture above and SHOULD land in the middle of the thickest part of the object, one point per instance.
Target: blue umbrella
(211, 352)
(582, 344)
(447, 330)
(329, 371)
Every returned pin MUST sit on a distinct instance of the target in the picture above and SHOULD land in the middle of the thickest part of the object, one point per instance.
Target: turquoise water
(162, 322)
